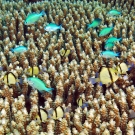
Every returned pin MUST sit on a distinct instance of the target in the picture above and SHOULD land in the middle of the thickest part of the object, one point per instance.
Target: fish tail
(88, 26)
(120, 39)
(49, 90)
(60, 26)
(93, 80)
(118, 54)
(12, 50)
(100, 84)
(85, 105)
(43, 13)
(130, 66)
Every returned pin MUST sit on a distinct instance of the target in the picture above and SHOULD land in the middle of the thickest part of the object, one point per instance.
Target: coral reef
(108, 108)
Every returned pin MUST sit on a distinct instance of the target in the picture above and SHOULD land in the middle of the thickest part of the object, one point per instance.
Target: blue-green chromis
(112, 40)
(109, 46)
(52, 27)
(94, 23)
(38, 84)
(109, 54)
(19, 49)
(114, 12)
(32, 18)
(105, 31)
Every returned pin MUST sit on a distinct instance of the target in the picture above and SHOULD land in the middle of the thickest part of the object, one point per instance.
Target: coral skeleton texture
(106, 109)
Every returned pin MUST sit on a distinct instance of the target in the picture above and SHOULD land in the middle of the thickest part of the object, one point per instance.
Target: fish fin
(17, 84)
(1, 68)
(50, 111)
(118, 54)
(97, 75)
(130, 66)
(60, 26)
(85, 105)
(12, 50)
(49, 90)
(120, 39)
(100, 84)
(94, 80)
(43, 13)
(88, 26)
(20, 80)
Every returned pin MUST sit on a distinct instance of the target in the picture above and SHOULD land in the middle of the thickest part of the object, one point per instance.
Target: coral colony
(67, 67)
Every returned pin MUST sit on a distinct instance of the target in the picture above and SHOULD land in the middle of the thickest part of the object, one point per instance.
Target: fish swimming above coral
(52, 27)
(110, 75)
(55, 114)
(35, 70)
(10, 78)
(95, 23)
(38, 84)
(105, 31)
(109, 54)
(114, 12)
(64, 52)
(113, 40)
(19, 49)
(109, 46)
(32, 18)
(81, 102)
(106, 76)
(110, 42)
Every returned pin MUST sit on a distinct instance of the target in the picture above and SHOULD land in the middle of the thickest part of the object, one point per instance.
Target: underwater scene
(67, 67)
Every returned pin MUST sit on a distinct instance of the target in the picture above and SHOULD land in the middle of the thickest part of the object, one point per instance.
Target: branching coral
(105, 110)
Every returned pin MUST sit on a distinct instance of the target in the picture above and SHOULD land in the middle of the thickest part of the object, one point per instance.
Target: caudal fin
(60, 26)
(93, 80)
(118, 54)
(49, 90)
(120, 39)
(12, 50)
(43, 13)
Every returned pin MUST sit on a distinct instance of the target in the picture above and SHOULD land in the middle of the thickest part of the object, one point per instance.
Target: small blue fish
(110, 42)
(38, 84)
(114, 12)
(109, 54)
(94, 23)
(105, 31)
(113, 40)
(32, 18)
(109, 46)
(52, 27)
(19, 49)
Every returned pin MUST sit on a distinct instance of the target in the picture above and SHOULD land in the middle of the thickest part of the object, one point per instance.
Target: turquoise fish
(109, 54)
(94, 23)
(38, 84)
(109, 46)
(110, 42)
(32, 18)
(113, 40)
(105, 31)
(52, 27)
(114, 12)
(19, 49)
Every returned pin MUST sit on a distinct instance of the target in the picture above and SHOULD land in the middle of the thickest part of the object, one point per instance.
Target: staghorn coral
(108, 108)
